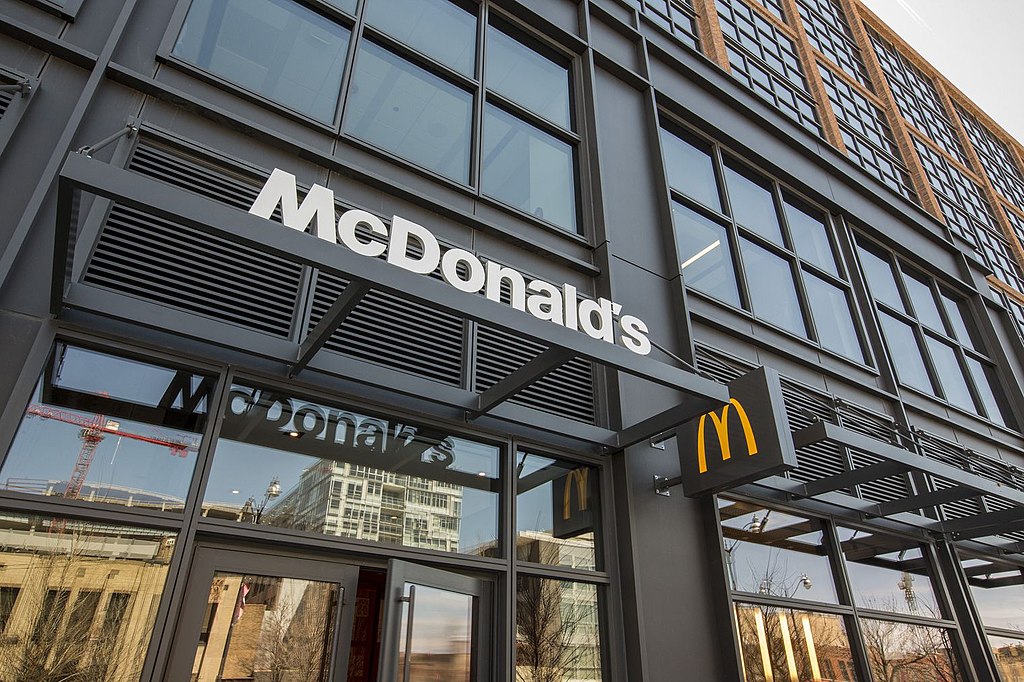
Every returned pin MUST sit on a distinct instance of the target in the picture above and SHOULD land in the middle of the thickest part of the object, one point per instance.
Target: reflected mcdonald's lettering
(722, 429)
(577, 478)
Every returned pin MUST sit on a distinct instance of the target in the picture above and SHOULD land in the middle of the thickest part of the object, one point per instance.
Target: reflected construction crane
(93, 431)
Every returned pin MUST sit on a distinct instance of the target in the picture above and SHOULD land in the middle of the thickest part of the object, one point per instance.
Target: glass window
(898, 582)
(998, 594)
(690, 169)
(950, 374)
(773, 294)
(409, 111)
(923, 300)
(280, 456)
(527, 78)
(752, 203)
(276, 48)
(880, 281)
(832, 317)
(906, 354)
(958, 320)
(706, 256)
(787, 644)
(79, 597)
(909, 653)
(774, 554)
(437, 28)
(108, 429)
(1009, 655)
(344, 5)
(528, 169)
(810, 237)
(557, 512)
(557, 631)
(984, 379)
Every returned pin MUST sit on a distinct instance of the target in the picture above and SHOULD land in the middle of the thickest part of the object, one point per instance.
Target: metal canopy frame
(975, 532)
(81, 174)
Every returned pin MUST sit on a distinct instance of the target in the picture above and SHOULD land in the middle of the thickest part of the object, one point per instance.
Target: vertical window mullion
(731, 230)
(477, 142)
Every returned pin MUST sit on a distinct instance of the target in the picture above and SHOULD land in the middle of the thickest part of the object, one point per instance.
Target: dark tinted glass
(528, 169)
(951, 375)
(108, 429)
(923, 300)
(526, 77)
(917, 652)
(557, 510)
(705, 255)
(410, 112)
(880, 279)
(772, 292)
(810, 237)
(276, 48)
(437, 28)
(752, 203)
(906, 354)
(690, 169)
(984, 379)
(832, 318)
(793, 645)
(285, 461)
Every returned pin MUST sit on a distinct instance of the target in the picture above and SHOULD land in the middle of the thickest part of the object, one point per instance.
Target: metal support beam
(1002, 521)
(332, 319)
(872, 472)
(925, 500)
(548, 361)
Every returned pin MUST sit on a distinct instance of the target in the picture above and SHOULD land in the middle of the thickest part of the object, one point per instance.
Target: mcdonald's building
(504, 340)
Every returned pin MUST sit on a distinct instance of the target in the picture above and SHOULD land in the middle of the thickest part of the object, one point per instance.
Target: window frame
(67, 10)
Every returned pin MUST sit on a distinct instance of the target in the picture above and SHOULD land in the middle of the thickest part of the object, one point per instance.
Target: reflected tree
(556, 631)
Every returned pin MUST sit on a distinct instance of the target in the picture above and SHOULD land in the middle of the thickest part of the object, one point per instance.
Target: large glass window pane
(705, 255)
(887, 581)
(984, 378)
(557, 511)
(439, 643)
(752, 203)
(528, 169)
(287, 462)
(906, 354)
(82, 597)
(557, 631)
(410, 112)
(810, 236)
(276, 48)
(1000, 605)
(951, 375)
(775, 554)
(958, 319)
(772, 291)
(880, 279)
(437, 28)
(909, 653)
(832, 318)
(527, 78)
(690, 169)
(798, 646)
(1009, 655)
(923, 300)
(267, 627)
(108, 429)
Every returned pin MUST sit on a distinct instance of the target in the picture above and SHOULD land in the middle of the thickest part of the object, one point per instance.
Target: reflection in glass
(1009, 655)
(879, 277)
(259, 627)
(906, 354)
(437, 28)
(690, 169)
(527, 78)
(909, 653)
(288, 462)
(1000, 605)
(752, 204)
(79, 599)
(796, 646)
(832, 317)
(409, 111)
(557, 631)
(108, 429)
(439, 644)
(772, 291)
(958, 318)
(923, 300)
(276, 48)
(984, 378)
(705, 255)
(775, 554)
(810, 236)
(951, 376)
(557, 509)
(526, 168)
(888, 581)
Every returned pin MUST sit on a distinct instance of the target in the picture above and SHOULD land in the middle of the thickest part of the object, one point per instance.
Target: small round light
(294, 434)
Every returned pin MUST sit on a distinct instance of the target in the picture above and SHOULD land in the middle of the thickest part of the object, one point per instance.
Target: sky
(977, 45)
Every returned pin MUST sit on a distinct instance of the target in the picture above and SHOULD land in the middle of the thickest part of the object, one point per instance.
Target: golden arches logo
(722, 429)
(576, 478)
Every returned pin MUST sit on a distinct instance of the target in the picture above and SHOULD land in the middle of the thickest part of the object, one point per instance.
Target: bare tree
(556, 632)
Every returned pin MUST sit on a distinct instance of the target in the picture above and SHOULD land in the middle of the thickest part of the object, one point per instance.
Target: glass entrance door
(435, 626)
(255, 616)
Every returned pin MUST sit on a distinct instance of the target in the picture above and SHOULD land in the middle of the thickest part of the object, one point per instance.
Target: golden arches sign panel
(573, 503)
(746, 439)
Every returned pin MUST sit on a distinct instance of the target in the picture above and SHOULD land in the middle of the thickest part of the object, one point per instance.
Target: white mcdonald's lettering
(722, 429)
(577, 478)
(599, 319)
